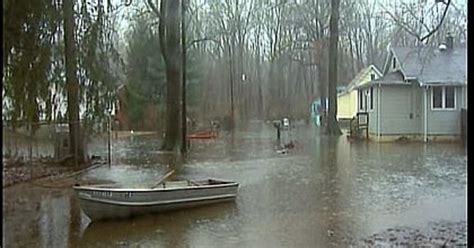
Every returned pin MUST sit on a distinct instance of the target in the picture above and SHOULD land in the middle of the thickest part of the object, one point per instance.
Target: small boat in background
(110, 202)
(203, 134)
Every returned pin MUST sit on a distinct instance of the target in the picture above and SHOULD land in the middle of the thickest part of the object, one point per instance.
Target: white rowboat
(108, 202)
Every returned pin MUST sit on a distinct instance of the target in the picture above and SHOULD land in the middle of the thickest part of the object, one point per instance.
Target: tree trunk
(332, 126)
(75, 143)
(173, 75)
(231, 81)
(183, 48)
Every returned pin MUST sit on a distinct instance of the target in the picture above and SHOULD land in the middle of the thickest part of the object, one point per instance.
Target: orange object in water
(203, 134)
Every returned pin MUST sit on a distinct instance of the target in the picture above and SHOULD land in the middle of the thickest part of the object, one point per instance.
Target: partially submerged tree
(76, 147)
(332, 126)
(169, 20)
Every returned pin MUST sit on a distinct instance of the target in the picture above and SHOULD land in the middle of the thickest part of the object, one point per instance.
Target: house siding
(344, 106)
(417, 108)
(464, 97)
(446, 122)
(397, 102)
(373, 113)
(399, 114)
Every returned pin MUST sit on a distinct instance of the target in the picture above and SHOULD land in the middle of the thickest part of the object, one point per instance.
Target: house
(421, 94)
(349, 100)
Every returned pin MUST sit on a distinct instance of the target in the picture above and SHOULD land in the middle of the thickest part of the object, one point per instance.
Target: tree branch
(405, 26)
(200, 40)
(154, 9)
(161, 29)
(402, 24)
(440, 22)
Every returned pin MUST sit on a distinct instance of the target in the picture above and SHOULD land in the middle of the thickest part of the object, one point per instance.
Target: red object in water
(203, 134)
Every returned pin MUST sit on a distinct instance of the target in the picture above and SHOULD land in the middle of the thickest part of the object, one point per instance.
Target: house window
(366, 100)
(443, 97)
(437, 97)
(372, 77)
(449, 97)
(394, 63)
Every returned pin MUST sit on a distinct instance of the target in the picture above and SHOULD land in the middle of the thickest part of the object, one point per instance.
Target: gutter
(425, 96)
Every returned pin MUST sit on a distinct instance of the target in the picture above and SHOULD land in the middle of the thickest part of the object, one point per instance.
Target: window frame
(443, 98)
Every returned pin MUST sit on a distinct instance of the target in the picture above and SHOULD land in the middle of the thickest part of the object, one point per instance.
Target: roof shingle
(432, 66)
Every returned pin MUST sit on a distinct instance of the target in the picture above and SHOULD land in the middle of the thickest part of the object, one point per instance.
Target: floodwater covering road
(326, 192)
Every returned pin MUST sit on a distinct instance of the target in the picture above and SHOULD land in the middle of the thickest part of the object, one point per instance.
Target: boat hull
(112, 203)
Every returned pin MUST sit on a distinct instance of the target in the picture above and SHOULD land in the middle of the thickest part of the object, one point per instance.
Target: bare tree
(183, 64)
(415, 24)
(332, 126)
(76, 147)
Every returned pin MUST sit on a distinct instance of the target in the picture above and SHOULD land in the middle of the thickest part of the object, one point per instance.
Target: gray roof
(355, 82)
(429, 65)
(392, 78)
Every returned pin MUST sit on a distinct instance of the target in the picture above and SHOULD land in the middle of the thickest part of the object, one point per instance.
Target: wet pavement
(326, 192)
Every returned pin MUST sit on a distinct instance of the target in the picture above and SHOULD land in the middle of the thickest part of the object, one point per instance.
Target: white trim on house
(366, 97)
(443, 99)
(388, 67)
(378, 111)
(425, 110)
(370, 99)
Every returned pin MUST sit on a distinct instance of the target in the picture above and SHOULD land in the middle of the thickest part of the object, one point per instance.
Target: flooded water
(326, 192)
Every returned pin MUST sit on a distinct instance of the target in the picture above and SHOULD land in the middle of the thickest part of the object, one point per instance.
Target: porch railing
(359, 124)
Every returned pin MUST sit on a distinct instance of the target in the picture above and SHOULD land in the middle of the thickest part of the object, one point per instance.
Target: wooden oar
(163, 178)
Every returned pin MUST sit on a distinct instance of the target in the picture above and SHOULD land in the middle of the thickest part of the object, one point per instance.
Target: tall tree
(146, 82)
(183, 64)
(332, 126)
(76, 146)
(169, 20)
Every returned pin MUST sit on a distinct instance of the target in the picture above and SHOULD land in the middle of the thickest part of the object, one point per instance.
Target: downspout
(425, 95)
(378, 112)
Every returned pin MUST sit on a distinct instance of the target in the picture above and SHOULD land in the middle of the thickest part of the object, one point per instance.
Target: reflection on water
(327, 192)
(168, 229)
(52, 222)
